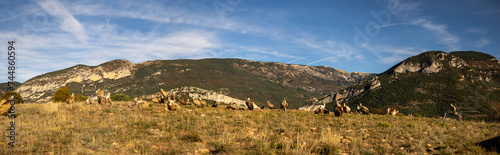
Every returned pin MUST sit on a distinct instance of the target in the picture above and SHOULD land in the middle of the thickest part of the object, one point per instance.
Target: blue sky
(362, 36)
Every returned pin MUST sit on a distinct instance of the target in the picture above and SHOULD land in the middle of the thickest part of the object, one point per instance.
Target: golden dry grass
(58, 128)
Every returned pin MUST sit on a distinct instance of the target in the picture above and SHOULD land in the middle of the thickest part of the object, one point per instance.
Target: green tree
(61, 95)
(19, 98)
(120, 97)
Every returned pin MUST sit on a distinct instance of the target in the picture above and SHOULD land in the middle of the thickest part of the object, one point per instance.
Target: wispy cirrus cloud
(65, 19)
(477, 30)
(441, 31)
(482, 42)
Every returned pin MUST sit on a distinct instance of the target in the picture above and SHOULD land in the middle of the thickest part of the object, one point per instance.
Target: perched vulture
(284, 104)
(108, 99)
(338, 110)
(134, 102)
(71, 99)
(392, 111)
(155, 100)
(197, 103)
(233, 106)
(249, 104)
(172, 106)
(183, 101)
(88, 102)
(216, 103)
(269, 105)
(362, 109)
(347, 109)
(453, 108)
(204, 103)
(319, 111)
(164, 93)
(100, 96)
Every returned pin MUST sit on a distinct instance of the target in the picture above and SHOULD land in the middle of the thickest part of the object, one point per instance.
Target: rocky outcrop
(304, 77)
(41, 88)
(199, 93)
(310, 107)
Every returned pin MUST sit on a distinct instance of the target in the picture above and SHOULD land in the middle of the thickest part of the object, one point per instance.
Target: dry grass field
(57, 128)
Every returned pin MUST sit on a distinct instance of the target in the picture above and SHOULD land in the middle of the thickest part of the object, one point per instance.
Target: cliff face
(428, 83)
(41, 88)
(237, 78)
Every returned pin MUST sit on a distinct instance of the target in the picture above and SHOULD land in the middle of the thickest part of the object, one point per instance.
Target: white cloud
(482, 42)
(477, 30)
(441, 32)
(66, 21)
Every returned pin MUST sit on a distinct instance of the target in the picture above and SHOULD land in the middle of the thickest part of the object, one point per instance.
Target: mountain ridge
(242, 78)
(428, 83)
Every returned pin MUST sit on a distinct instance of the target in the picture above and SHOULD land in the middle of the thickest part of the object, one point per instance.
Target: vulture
(164, 93)
(315, 100)
(322, 110)
(216, 103)
(88, 102)
(233, 106)
(197, 103)
(108, 99)
(156, 100)
(249, 104)
(338, 110)
(284, 104)
(134, 102)
(70, 99)
(172, 106)
(362, 109)
(347, 109)
(319, 111)
(454, 112)
(100, 96)
(204, 103)
(269, 105)
(453, 108)
(392, 111)
(183, 101)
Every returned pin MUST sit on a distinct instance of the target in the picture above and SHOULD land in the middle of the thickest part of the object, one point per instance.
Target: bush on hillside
(19, 98)
(61, 95)
(120, 97)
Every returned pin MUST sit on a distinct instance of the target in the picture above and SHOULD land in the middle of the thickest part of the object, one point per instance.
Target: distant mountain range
(237, 78)
(428, 83)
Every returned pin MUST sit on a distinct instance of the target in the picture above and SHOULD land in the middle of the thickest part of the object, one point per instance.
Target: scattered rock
(203, 115)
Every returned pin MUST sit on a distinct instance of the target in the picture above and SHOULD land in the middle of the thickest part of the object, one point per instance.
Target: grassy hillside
(81, 129)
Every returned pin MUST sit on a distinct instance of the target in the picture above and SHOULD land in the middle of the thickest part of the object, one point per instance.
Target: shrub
(191, 137)
(61, 95)
(410, 125)
(384, 124)
(120, 97)
(19, 98)
(80, 97)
